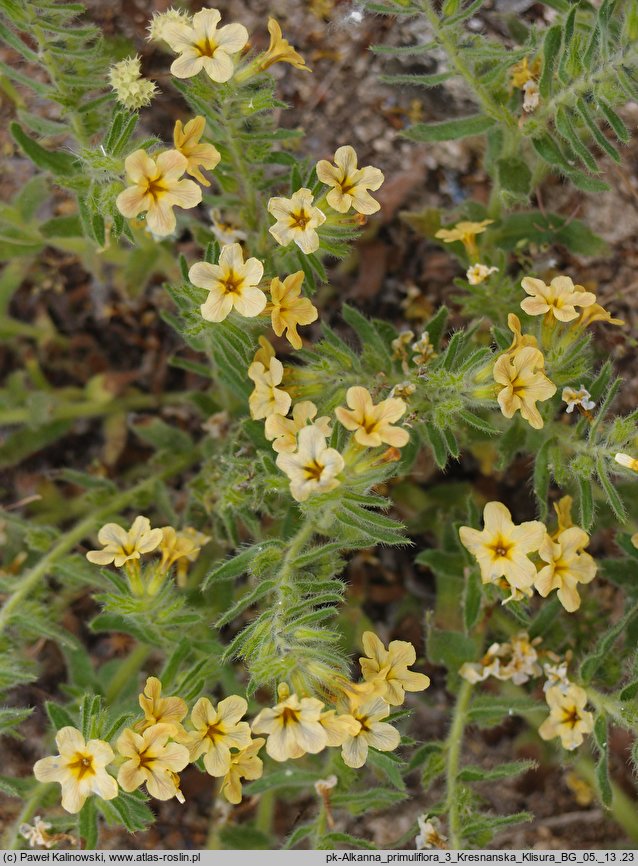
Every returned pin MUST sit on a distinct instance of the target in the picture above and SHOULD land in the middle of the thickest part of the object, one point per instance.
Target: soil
(343, 101)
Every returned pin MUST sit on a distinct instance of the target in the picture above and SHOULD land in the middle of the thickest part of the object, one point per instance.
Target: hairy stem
(95, 408)
(454, 745)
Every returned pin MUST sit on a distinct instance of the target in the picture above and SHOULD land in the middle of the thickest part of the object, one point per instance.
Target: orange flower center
(500, 548)
(155, 187)
(299, 220)
(82, 765)
(571, 716)
(289, 716)
(232, 283)
(313, 470)
(206, 48)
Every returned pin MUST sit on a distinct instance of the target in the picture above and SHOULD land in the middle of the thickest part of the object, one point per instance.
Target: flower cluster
(161, 744)
(125, 548)
(515, 660)
(502, 550)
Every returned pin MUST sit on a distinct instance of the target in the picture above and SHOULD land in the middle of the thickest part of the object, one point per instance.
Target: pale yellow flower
(217, 731)
(350, 184)
(501, 547)
(465, 232)
(372, 732)
(289, 308)
(338, 726)
(523, 662)
(596, 313)
(297, 220)
(560, 298)
(187, 141)
(313, 467)
(373, 424)
(226, 232)
(280, 50)
(567, 566)
(266, 398)
(524, 383)
(265, 352)
(79, 769)
(430, 835)
(568, 718)
(231, 283)
(521, 72)
(478, 273)
(489, 666)
(293, 728)
(179, 545)
(283, 431)
(158, 710)
(121, 546)
(563, 509)
(202, 46)
(157, 189)
(390, 667)
(556, 677)
(153, 761)
(243, 765)
(626, 461)
(520, 340)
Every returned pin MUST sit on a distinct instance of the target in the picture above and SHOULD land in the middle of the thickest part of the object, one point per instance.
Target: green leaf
(542, 477)
(449, 648)
(127, 809)
(57, 162)
(611, 494)
(566, 128)
(432, 80)
(616, 123)
(436, 326)
(163, 436)
(368, 335)
(585, 503)
(472, 596)
(59, 716)
(11, 718)
(486, 711)
(87, 825)
(436, 440)
(585, 182)
(514, 175)
(239, 565)
(449, 130)
(548, 149)
(404, 50)
(595, 659)
(370, 800)
(501, 771)
(599, 138)
(551, 47)
(330, 840)
(602, 766)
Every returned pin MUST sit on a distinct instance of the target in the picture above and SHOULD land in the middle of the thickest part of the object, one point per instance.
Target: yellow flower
(596, 313)
(563, 509)
(560, 298)
(524, 382)
(465, 232)
(373, 424)
(350, 184)
(217, 731)
(567, 566)
(338, 727)
(523, 662)
(297, 220)
(520, 340)
(264, 353)
(280, 50)
(186, 140)
(157, 189)
(478, 273)
(568, 718)
(79, 769)
(373, 732)
(626, 461)
(293, 728)
(201, 46)
(522, 73)
(185, 544)
(231, 283)
(580, 398)
(226, 232)
(283, 431)
(289, 309)
(158, 710)
(243, 765)
(390, 666)
(266, 398)
(489, 666)
(313, 467)
(501, 548)
(121, 546)
(153, 761)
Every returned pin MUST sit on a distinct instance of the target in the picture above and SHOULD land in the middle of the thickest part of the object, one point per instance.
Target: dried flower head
(478, 273)
(580, 397)
(131, 90)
